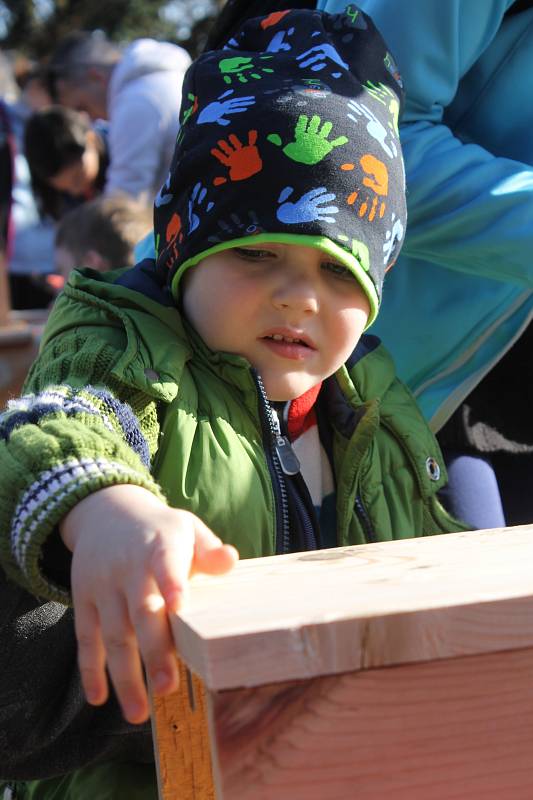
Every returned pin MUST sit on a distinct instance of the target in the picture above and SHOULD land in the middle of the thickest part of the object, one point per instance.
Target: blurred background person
(32, 83)
(67, 157)
(138, 90)
(30, 253)
(101, 234)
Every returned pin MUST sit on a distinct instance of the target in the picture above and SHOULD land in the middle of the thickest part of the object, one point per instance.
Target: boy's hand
(132, 558)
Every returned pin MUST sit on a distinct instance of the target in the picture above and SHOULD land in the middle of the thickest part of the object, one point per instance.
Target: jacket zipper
(364, 519)
(281, 461)
(309, 528)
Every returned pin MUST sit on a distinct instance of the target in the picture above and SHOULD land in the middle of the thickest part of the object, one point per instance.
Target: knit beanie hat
(289, 134)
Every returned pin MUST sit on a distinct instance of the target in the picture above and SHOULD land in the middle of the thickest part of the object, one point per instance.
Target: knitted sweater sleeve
(76, 429)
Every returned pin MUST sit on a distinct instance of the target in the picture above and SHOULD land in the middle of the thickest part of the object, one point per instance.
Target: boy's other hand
(132, 558)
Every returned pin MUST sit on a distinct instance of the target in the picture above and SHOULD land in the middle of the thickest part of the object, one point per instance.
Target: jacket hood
(156, 345)
(145, 56)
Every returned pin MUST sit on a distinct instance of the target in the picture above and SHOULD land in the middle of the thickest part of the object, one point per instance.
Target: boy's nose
(299, 298)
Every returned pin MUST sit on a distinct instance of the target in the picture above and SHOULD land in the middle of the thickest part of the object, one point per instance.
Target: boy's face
(290, 310)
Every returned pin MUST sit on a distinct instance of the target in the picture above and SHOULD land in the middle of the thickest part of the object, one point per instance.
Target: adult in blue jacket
(461, 294)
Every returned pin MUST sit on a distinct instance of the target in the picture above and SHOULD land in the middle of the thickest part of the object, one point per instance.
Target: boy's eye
(251, 254)
(339, 270)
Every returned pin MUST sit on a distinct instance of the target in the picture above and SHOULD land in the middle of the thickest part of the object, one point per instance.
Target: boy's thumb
(211, 555)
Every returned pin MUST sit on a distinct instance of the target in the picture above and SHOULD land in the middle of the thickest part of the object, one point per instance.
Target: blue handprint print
(317, 58)
(278, 43)
(308, 208)
(164, 196)
(236, 226)
(197, 198)
(215, 111)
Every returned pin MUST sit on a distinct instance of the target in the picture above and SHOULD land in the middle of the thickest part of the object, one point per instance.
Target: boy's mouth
(292, 345)
(277, 337)
(290, 338)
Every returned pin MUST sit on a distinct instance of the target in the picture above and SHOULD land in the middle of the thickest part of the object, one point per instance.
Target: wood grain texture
(305, 615)
(459, 729)
(19, 345)
(182, 743)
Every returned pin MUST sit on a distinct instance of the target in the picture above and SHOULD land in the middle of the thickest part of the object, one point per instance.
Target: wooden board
(307, 615)
(402, 668)
(458, 729)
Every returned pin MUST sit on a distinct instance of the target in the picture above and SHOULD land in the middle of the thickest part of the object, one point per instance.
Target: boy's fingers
(195, 548)
(123, 659)
(210, 554)
(148, 614)
(215, 561)
(171, 561)
(91, 654)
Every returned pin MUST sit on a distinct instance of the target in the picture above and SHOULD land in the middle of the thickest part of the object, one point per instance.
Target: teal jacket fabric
(461, 292)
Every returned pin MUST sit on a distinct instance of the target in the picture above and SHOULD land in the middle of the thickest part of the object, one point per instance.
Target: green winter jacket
(124, 391)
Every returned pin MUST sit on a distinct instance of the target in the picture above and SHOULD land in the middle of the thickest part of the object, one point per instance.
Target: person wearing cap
(222, 399)
(137, 90)
(466, 265)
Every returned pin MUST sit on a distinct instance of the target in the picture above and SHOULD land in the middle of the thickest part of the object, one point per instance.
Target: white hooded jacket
(143, 103)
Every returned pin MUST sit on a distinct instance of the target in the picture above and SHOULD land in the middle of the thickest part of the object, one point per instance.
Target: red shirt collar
(302, 413)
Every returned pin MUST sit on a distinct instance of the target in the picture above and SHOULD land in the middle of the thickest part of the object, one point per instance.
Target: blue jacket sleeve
(470, 209)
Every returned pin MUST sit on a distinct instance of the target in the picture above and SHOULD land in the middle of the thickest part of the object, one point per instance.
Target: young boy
(224, 390)
(101, 234)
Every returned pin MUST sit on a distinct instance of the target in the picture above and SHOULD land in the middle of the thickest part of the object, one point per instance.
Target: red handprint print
(273, 19)
(243, 160)
(376, 178)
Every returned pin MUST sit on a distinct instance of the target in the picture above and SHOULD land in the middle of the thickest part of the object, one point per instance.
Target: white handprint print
(373, 126)
(393, 237)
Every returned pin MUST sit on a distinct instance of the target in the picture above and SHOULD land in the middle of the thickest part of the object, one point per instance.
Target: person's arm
(467, 209)
(136, 133)
(77, 460)
(46, 726)
(75, 431)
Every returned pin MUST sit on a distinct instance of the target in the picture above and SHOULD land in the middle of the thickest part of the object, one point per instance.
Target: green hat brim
(322, 243)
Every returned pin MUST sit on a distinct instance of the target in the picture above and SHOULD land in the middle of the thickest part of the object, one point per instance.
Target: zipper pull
(287, 457)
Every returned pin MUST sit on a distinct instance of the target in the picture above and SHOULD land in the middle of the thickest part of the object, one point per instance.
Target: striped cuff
(114, 415)
(44, 504)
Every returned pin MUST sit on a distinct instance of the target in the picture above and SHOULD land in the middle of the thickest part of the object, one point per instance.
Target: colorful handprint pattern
(290, 129)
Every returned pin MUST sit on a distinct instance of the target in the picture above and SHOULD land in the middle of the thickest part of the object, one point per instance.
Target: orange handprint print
(173, 236)
(243, 160)
(376, 178)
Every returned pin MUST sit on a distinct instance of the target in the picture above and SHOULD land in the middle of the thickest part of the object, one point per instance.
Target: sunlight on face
(290, 310)
(78, 179)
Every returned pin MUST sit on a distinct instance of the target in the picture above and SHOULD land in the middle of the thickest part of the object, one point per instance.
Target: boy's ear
(91, 138)
(97, 261)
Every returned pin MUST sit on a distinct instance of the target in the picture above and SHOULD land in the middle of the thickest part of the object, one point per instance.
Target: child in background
(101, 234)
(221, 399)
(67, 158)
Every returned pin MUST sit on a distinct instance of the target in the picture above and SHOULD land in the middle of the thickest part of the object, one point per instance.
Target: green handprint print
(386, 96)
(238, 66)
(311, 142)
(359, 250)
